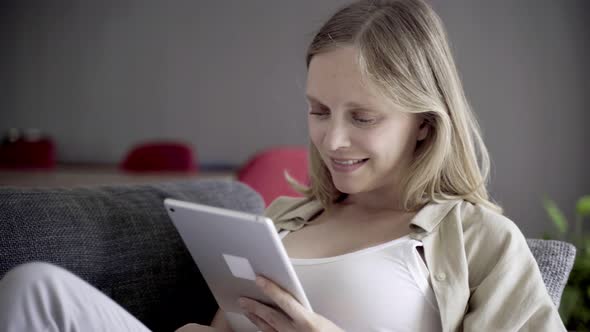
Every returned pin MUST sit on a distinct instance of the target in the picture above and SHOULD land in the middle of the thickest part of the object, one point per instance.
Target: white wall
(525, 70)
(229, 78)
(100, 76)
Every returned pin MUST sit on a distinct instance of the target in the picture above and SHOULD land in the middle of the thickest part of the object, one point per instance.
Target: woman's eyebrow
(355, 105)
(350, 104)
(311, 98)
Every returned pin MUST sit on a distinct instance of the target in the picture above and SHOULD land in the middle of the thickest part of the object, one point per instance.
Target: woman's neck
(373, 203)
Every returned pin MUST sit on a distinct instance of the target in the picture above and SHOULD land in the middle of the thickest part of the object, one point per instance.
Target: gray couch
(119, 239)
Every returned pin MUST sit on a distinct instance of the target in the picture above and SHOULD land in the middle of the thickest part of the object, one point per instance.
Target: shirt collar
(424, 221)
(304, 211)
(431, 215)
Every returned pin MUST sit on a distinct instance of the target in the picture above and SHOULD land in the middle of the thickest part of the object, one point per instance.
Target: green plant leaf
(569, 302)
(583, 206)
(587, 247)
(556, 215)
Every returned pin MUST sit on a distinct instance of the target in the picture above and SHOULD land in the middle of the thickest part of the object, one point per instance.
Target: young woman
(396, 231)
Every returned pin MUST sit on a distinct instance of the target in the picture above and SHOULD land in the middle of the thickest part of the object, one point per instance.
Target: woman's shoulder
(489, 237)
(292, 212)
(460, 218)
(285, 204)
(480, 219)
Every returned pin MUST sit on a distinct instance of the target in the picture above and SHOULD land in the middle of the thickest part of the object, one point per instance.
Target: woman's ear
(423, 130)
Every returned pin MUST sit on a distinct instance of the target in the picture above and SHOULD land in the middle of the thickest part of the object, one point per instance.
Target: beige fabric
(482, 271)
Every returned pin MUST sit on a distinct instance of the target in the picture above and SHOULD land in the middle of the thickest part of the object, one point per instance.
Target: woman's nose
(336, 137)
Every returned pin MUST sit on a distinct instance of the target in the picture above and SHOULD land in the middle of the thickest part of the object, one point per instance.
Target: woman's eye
(364, 120)
(319, 113)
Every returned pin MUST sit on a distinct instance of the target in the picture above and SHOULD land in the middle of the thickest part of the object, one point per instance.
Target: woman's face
(363, 140)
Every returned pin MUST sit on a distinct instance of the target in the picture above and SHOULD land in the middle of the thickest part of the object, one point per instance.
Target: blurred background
(227, 78)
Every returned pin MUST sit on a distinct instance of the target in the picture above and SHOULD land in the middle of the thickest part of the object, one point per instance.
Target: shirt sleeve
(507, 289)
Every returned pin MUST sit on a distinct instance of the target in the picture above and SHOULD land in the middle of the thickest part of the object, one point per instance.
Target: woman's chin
(347, 187)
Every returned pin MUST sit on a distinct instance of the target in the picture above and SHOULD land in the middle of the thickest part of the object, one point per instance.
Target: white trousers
(45, 297)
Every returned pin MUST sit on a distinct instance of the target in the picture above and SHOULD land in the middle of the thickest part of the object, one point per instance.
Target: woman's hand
(294, 318)
(194, 327)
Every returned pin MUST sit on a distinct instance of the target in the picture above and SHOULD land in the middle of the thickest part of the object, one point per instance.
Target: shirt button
(441, 276)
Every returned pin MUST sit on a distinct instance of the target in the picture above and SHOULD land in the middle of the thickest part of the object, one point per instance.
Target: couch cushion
(555, 260)
(119, 239)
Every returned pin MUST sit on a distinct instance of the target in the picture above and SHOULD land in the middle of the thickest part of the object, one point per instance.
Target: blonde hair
(404, 54)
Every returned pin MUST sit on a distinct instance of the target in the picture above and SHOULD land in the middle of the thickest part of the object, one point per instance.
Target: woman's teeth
(348, 162)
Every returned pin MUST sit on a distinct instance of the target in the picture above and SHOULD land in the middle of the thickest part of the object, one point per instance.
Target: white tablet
(231, 248)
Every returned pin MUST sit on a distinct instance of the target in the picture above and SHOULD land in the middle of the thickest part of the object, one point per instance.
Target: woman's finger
(283, 300)
(194, 327)
(271, 316)
(262, 325)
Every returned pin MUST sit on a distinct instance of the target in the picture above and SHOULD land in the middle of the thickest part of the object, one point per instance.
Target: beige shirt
(483, 273)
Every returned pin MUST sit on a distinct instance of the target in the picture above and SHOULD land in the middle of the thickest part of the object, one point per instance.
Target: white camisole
(381, 288)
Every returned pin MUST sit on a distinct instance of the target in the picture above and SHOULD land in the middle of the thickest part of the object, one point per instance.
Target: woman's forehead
(341, 62)
(336, 75)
